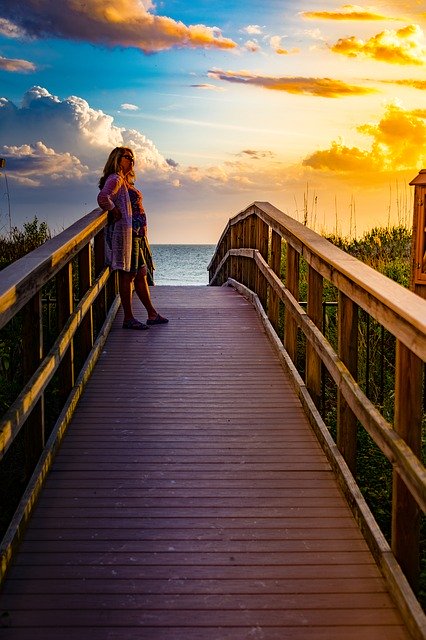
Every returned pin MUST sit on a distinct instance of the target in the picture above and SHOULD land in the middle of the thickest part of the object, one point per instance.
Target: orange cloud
(349, 12)
(395, 47)
(126, 23)
(398, 143)
(416, 84)
(207, 87)
(275, 42)
(14, 64)
(323, 87)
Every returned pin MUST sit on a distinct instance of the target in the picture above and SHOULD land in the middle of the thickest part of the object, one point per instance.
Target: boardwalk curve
(191, 500)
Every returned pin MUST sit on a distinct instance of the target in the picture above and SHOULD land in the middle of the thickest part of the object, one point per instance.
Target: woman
(125, 234)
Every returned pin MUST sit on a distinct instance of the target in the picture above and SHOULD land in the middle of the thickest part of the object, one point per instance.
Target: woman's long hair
(113, 164)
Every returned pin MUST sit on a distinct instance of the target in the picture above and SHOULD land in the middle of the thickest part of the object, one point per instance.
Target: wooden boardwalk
(191, 501)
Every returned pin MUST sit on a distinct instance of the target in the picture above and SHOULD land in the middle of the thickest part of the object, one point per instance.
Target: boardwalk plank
(124, 632)
(191, 501)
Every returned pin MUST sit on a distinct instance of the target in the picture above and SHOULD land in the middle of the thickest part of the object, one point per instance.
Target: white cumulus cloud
(72, 126)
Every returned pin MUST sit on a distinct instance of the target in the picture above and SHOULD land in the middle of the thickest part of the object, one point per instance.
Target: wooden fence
(248, 256)
(71, 263)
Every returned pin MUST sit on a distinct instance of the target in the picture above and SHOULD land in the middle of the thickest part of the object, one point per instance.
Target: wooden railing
(72, 263)
(248, 257)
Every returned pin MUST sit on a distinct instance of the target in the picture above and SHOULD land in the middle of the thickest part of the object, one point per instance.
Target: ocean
(182, 264)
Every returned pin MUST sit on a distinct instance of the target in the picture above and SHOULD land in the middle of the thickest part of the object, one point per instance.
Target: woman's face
(126, 161)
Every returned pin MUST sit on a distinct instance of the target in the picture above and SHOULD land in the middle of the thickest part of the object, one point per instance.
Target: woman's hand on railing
(114, 215)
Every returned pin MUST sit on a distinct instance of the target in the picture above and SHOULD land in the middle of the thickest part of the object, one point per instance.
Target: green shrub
(19, 242)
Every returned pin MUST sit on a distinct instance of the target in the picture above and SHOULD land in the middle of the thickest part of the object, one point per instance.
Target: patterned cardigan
(118, 236)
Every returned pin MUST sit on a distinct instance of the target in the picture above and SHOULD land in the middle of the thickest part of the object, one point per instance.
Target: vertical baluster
(246, 245)
(347, 327)
(408, 423)
(292, 284)
(226, 247)
(239, 244)
(262, 245)
(85, 281)
(99, 257)
(234, 245)
(275, 264)
(315, 312)
(32, 353)
(65, 305)
(252, 245)
(367, 354)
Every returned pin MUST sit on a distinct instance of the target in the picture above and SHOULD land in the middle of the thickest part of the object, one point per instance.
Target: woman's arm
(106, 199)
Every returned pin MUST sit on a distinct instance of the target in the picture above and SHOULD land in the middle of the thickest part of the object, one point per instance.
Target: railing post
(347, 326)
(239, 239)
(292, 284)
(315, 312)
(85, 281)
(408, 423)
(64, 306)
(32, 353)
(226, 246)
(252, 221)
(275, 264)
(261, 244)
(99, 256)
(235, 261)
(246, 244)
(418, 244)
(232, 260)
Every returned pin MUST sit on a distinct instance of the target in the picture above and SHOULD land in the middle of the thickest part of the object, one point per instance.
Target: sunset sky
(307, 103)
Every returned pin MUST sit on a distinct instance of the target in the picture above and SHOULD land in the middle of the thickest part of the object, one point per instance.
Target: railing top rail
(23, 278)
(366, 286)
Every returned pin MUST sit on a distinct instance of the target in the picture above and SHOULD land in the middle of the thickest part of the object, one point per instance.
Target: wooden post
(418, 245)
(239, 245)
(292, 284)
(252, 231)
(99, 257)
(226, 247)
(32, 353)
(64, 305)
(347, 326)
(85, 281)
(262, 245)
(233, 245)
(408, 423)
(246, 245)
(314, 310)
(275, 264)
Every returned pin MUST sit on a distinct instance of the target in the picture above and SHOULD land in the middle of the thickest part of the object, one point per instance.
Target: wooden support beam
(347, 325)
(262, 245)
(85, 281)
(408, 423)
(292, 284)
(314, 310)
(32, 353)
(64, 306)
(275, 264)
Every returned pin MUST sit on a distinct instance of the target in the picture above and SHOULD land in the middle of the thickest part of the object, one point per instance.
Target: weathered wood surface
(22, 279)
(190, 500)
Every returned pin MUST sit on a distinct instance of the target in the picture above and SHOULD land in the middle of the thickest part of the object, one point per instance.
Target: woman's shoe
(135, 325)
(157, 320)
